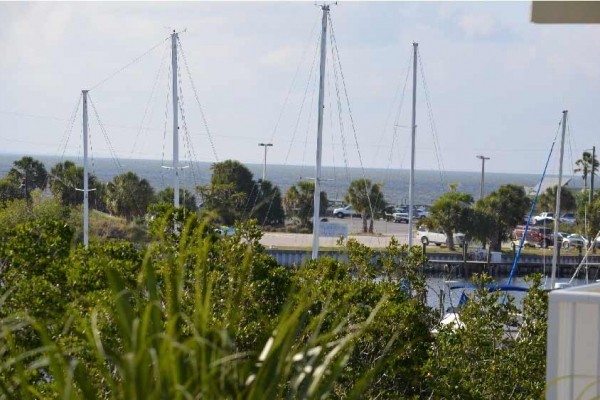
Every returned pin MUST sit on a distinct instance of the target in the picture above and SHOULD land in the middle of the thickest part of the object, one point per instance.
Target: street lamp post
(592, 179)
(482, 158)
(265, 145)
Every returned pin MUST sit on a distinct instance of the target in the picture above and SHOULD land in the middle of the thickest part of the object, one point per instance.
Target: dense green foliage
(31, 173)
(451, 212)
(481, 359)
(196, 315)
(185, 313)
(129, 196)
(66, 184)
(186, 199)
(233, 195)
(503, 210)
(547, 200)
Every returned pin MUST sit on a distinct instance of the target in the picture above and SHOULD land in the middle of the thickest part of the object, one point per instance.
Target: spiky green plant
(174, 335)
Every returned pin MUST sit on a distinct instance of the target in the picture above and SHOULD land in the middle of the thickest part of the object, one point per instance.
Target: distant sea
(428, 184)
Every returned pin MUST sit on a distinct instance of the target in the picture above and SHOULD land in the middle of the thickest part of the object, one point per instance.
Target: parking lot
(380, 227)
(383, 231)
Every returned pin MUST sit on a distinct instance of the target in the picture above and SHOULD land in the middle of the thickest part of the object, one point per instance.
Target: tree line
(233, 195)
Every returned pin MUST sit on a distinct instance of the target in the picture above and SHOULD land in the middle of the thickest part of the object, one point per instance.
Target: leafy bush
(195, 315)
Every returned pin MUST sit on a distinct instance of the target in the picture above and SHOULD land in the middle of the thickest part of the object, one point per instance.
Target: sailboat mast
(175, 121)
(558, 192)
(317, 194)
(411, 186)
(86, 210)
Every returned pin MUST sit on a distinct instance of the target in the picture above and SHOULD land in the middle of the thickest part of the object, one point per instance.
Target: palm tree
(298, 202)
(30, 172)
(587, 166)
(129, 196)
(66, 178)
(367, 199)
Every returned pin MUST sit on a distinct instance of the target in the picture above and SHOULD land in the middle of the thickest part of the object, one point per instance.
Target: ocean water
(428, 184)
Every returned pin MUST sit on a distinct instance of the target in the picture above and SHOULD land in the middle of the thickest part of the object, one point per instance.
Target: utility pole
(411, 185)
(592, 179)
(265, 145)
(557, 210)
(482, 158)
(86, 209)
(317, 194)
(174, 36)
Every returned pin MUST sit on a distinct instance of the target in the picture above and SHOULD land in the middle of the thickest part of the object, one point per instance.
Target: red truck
(536, 236)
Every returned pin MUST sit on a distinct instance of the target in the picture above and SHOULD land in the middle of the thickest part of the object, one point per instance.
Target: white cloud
(285, 58)
(477, 24)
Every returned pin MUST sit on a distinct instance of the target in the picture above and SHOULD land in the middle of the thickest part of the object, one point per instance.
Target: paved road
(383, 232)
(380, 227)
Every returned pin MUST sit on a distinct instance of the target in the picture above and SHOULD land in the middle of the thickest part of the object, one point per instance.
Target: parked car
(544, 215)
(544, 222)
(422, 214)
(568, 218)
(536, 236)
(438, 237)
(400, 217)
(574, 240)
(342, 212)
(225, 230)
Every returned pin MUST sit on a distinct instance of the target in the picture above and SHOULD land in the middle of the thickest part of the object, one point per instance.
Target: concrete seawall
(454, 263)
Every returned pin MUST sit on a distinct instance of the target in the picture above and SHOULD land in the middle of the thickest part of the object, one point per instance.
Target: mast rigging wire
(436, 142)
(395, 127)
(134, 61)
(339, 65)
(69, 129)
(64, 141)
(389, 113)
(308, 124)
(339, 105)
(106, 138)
(293, 84)
(191, 153)
(150, 98)
(168, 97)
(535, 199)
(210, 138)
(301, 106)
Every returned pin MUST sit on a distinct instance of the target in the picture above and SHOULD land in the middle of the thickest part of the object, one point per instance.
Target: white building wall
(573, 352)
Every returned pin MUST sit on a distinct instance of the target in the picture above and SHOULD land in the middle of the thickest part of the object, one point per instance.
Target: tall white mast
(86, 210)
(411, 187)
(174, 36)
(557, 210)
(317, 194)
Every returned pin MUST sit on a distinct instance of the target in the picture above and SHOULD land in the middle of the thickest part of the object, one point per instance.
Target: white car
(400, 217)
(438, 237)
(544, 216)
(342, 212)
(574, 240)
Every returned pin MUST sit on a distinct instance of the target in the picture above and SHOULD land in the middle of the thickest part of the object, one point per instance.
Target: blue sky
(497, 83)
